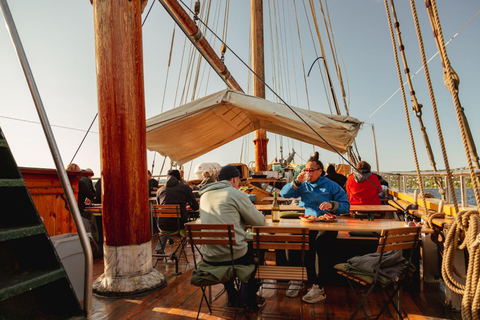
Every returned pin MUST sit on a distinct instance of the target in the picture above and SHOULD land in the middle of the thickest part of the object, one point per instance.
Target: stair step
(12, 183)
(20, 232)
(21, 284)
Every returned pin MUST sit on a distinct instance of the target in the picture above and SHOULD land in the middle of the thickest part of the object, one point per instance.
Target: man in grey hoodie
(222, 202)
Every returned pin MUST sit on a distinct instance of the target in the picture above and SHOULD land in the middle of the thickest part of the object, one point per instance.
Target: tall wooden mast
(258, 66)
(121, 109)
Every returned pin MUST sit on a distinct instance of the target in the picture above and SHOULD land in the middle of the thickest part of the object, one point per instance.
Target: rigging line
(168, 68)
(293, 57)
(421, 68)
(84, 137)
(338, 52)
(199, 58)
(301, 55)
(205, 68)
(334, 56)
(283, 44)
(148, 13)
(52, 125)
(282, 100)
(327, 96)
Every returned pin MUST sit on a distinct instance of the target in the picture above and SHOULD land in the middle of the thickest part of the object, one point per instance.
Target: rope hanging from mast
(392, 35)
(417, 107)
(434, 105)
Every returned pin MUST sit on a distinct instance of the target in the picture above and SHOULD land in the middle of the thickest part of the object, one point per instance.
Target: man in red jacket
(361, 191)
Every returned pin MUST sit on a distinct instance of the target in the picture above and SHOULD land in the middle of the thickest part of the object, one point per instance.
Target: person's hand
(326, 206)
(301, 177)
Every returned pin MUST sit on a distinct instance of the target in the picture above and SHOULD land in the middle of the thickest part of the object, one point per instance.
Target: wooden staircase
(33, 282)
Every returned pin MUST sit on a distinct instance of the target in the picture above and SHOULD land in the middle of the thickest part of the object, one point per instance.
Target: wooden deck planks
(180, 300)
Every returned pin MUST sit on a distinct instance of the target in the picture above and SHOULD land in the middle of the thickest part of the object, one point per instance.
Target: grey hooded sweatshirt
(222, 203)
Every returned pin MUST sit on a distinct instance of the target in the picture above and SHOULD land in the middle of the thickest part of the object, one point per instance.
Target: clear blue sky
(59, 41)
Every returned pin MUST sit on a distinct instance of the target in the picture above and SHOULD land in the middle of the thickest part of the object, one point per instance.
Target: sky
(58, 38)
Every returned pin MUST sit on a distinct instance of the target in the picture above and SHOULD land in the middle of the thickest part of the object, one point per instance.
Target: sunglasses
(311, 170)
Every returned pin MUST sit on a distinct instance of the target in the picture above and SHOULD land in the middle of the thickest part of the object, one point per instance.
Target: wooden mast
(258, 66)
(121, 109)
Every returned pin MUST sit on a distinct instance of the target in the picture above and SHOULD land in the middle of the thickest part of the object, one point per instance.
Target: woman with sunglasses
(319, 195)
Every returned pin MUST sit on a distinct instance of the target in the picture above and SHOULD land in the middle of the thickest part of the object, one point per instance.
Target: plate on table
(308, 218)
(327, 217)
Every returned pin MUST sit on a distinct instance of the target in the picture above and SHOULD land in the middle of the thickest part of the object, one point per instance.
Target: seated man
(174, 192)
(221, 202)
(339, 178)
(207, 178)
(361, 191)
(152, 184)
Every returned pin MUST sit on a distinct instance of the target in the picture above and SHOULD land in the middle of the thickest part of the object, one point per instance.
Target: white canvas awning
(191, 130)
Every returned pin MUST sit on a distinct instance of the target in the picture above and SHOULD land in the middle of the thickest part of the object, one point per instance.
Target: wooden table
(342, 224)
(353, 208)
(283, 207)
(279, 199)
(372, 208)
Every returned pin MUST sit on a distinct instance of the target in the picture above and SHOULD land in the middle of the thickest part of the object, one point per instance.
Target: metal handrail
(62, 173)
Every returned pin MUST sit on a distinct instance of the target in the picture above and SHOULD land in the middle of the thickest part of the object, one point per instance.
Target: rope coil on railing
(464, 234)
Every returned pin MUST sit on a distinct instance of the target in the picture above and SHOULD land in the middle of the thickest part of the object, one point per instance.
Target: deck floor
(180, 300)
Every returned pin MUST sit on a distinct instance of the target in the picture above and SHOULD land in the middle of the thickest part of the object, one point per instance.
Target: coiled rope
(464, 234)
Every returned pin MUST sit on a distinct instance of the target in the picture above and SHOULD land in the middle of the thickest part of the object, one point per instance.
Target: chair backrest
(265, 238)
(399, 239)
(167, 211)
(280, 238)
(210, 234)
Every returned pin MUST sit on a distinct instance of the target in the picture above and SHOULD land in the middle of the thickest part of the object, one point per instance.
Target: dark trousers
(248, 291)
(323, 245)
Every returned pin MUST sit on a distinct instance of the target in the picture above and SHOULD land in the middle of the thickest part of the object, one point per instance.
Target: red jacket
(363, 192)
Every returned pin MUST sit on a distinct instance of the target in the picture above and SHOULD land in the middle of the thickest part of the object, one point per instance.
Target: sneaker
(293, 289)
(269, 285)
(314, 294)
(260, 301)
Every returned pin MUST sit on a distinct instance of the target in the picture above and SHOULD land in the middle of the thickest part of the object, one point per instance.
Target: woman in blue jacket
(319, 195)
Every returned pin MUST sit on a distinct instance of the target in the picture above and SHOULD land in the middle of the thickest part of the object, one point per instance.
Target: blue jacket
(316, 192)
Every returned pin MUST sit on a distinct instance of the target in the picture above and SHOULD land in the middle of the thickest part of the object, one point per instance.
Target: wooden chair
(218, 235)
(407, 238)
(265, 238)
(171, 211)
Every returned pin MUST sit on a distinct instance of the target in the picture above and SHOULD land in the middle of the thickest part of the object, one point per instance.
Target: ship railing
(402, 181)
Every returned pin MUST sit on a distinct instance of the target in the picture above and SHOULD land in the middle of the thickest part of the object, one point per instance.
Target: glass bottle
(275, 209)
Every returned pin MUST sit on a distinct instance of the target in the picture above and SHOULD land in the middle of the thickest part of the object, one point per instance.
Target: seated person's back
(361, 191)
(175, 192)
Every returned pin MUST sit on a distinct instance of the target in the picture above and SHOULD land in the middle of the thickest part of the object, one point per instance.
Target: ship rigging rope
(417, 107)
(317, 29)
(464, 234)
(84, 137)
(466, 224)
(451, 82)
(405, 105)
(301, 55)
(284, 102)
(420, 69)
(316, 54)
(434, 104)
(334, 56)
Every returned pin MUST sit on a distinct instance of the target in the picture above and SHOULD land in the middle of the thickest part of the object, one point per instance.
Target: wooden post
(258, 66)
(121, 109)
